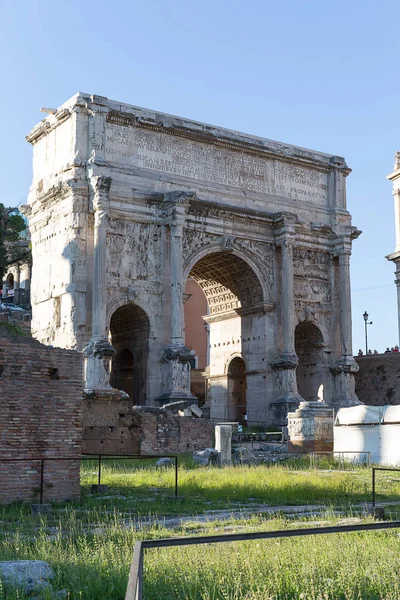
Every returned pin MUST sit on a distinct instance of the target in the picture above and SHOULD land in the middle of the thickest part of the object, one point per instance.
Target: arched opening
(224, 316)
(309, 346)
(10, 281)
(122, 372)
(237, 386)
(129, 329)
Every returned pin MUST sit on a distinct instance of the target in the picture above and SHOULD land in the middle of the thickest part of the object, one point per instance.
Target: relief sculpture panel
(133, 253)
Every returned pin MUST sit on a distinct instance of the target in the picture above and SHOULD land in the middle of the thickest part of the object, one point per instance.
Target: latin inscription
(197, 160)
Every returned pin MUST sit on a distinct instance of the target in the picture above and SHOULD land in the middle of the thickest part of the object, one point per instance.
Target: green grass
(93, 563)
(142, 488)
(90, 543)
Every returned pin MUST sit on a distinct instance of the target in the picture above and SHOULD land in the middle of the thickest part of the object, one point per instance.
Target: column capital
(285, 239)
(177, 204)
(343, 246)
(101, 199)
(101, 184)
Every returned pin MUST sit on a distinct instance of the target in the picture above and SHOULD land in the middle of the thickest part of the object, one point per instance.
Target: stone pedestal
(223, 443)
(175, 375)
(288, 397)
(98, 354)
(310, 428)
(344, 383)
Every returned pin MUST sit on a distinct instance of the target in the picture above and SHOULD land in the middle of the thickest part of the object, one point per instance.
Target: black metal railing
(261, 437)
(135, 584)
(100, 459)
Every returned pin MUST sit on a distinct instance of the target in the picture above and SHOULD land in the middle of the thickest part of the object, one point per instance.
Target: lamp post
(366, 323)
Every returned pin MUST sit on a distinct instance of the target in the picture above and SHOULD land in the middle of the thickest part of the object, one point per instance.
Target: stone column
(345, 303)
(98, 351)
(394, 177)
(175, 362)
(397, 282)
(223, 443)
(343, 371)
(287, 300)
(177, 316)
(287, 396)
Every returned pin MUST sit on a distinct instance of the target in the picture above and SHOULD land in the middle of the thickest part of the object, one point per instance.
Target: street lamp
(366, 323)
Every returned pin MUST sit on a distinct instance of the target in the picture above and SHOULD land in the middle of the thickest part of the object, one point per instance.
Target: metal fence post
(176, 476)
(373, 487)
(41, 480)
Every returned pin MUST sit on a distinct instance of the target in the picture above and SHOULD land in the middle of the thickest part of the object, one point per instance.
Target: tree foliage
(12, 247)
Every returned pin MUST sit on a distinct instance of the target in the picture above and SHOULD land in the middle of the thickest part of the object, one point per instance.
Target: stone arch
(124, 300)
(235, 324)
(129, 333)
(230, 359)
(309, 346)
(216, 248)
(228, 281)
(322, 322)
(10, 281)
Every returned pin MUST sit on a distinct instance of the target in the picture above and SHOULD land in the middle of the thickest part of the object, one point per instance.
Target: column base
(98, 355)
(287, 397)
(175, 373)
(344, 393)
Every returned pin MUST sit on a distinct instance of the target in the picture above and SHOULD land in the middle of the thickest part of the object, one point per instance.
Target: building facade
(394, 177)
(127, 205)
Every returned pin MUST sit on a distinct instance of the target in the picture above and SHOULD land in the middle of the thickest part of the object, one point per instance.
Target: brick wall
(40, 416)
(112, 426)
(378, 380)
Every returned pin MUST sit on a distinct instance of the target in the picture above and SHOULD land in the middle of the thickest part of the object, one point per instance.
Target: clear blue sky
(323, 75)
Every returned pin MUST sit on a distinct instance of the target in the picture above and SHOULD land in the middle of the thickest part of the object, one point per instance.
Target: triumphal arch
(127, 205)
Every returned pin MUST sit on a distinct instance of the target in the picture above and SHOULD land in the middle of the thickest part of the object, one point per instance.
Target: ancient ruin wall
(113, 427)
(378, 380)
(40, 416)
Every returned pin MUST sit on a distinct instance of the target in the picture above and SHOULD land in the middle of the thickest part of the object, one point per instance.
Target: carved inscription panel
(200, 161)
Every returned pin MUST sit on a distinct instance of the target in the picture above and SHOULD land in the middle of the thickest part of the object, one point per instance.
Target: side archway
(309, 346)
(129, 331)
(237, 386)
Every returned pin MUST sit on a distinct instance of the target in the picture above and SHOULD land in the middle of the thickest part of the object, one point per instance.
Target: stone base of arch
(175, 376)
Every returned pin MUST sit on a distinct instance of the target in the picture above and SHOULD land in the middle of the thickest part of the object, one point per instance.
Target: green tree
(12, 248)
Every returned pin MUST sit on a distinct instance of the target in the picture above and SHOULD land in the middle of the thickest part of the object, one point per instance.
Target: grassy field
(142, 488)
(89, 544)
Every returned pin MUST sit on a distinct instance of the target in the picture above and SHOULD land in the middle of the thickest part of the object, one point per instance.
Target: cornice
(47, 125)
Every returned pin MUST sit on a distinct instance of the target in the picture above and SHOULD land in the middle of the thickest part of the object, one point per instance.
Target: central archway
(129, 330)
(309, 346)
(230, 332)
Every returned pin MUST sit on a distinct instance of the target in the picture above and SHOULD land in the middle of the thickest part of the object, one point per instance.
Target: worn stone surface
(141, 430)
(209, 456)
(31, 576)
(378, 380)
(223, 443)
(310, 428)
(40, 416)
(127, 203)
